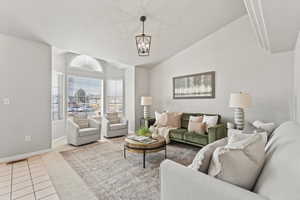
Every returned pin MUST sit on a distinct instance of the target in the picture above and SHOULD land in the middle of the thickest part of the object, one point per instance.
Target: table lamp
(146, 101)
(239, 101)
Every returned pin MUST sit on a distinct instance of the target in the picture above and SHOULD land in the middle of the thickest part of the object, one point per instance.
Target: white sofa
(279, 179)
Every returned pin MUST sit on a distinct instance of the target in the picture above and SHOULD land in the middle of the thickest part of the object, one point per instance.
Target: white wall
(25, 78)
(297, 80)
(141, 89)
(130, 97)
(240, 65)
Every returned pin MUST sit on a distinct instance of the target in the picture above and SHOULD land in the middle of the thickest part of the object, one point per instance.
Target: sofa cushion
(161, 119)
(118, 126)
(196, 119)
(177, 133)
(186, 117)
(240, 161)
(280, 176)
(196, 138)
(203, 157)
(174, 119)
(113, 117)
(210, 120)
(88, 131)
(197, 127)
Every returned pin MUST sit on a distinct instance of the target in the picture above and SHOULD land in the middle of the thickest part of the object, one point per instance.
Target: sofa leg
(125, 152)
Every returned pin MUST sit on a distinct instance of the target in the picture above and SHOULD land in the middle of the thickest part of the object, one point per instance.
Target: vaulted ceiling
(276, 23)
(106, 28)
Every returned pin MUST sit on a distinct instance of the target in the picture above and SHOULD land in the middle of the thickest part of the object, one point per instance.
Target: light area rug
(111, 177)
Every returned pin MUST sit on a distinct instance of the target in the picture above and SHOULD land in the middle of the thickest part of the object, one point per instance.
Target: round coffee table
(142, 148)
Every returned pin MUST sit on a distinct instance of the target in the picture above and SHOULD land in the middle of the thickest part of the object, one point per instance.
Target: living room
(150, 100)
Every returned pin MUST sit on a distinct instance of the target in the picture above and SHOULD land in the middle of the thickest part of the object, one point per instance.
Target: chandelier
(143, 41)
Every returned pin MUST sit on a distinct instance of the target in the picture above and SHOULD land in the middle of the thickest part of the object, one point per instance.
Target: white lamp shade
(146, 101)
(240, 100)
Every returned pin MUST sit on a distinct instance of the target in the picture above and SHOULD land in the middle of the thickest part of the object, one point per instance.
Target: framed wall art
(194, 86)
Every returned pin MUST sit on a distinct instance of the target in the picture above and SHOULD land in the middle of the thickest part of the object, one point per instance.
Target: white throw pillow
(269, 127)
(198, 127)
(210, 120)
(240, 161)
(81, 122)
(196, 119)
(234, 135)
(161, 119)
(203, 157)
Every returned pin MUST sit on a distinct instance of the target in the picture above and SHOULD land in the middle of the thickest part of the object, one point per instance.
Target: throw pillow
(82, 122)
(196, 119)
(197, 127)
(249, 129)
(113, 118)
(210, 120)
(235, 135)
(161, 119)
(240, 161)
(174, 119)
(203, 157)
(269, 127)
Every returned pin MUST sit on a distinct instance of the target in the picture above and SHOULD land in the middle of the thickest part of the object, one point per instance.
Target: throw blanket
(161, 131)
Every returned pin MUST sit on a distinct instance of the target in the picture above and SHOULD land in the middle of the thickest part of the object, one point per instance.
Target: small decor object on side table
(150, 122)
(239, 101)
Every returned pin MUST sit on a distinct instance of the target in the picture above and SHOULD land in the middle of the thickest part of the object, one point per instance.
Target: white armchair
(78, 136)
(113, 128)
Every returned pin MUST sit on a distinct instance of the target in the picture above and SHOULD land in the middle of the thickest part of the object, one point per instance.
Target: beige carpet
(111, 177)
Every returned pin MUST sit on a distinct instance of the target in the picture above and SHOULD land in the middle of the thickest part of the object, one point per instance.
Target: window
(84, 95)
(57, 96)
(114, 95)
(86, 63)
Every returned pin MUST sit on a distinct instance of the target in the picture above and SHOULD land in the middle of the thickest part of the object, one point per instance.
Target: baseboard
(23, 156)
(58, 141)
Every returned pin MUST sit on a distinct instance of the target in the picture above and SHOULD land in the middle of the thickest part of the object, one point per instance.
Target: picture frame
(194, 86)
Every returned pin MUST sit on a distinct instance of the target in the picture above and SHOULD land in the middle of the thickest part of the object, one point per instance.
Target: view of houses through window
(84, 95)
(114, 96)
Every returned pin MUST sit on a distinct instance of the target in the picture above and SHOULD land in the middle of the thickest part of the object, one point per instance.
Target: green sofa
(182, 135)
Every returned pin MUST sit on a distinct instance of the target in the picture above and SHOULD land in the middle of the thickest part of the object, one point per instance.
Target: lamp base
(239, 118)
(146, 115)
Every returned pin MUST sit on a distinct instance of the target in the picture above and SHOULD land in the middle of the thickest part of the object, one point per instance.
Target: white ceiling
(106, 28)
(282, 20)
(276, 22)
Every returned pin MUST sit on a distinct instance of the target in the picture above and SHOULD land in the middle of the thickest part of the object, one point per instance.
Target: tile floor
(26, 180)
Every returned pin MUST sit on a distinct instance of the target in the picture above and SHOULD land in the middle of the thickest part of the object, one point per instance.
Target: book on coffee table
(142, 139)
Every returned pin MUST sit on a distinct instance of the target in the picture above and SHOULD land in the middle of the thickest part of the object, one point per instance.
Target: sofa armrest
(179, 182)
(72, 128)
(94, 123)
(124, 121)
(217, 132)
